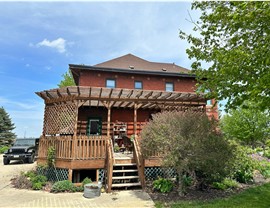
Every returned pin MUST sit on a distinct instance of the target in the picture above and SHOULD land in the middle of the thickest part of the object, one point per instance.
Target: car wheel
(6, 161)
(31, 159)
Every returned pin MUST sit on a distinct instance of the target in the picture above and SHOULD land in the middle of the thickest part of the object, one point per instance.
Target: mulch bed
(193, 194)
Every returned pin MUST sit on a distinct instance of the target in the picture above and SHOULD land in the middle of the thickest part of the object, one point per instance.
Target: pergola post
(76, 119)
(74, 142)
(108, 106)
(135, 119)
(136, 107)
(108, 121)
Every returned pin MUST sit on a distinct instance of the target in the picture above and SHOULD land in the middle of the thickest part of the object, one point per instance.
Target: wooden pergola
(66, 101)
(75, 151)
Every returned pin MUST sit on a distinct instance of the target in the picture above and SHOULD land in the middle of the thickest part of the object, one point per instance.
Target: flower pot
(91, 190)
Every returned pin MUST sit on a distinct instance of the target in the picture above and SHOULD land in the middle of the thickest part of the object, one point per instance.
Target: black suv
(23, 149)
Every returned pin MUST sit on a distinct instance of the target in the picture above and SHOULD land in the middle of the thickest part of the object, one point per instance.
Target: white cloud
(58, 44)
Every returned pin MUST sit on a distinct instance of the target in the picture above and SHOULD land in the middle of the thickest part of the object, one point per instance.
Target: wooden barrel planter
(91, 190)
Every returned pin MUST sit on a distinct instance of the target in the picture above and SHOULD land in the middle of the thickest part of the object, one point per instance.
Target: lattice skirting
(152, 173)
(54, 174)
(101, 175)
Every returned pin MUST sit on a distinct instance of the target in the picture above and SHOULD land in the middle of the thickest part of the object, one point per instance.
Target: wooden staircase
(125, 175)
(124, 172)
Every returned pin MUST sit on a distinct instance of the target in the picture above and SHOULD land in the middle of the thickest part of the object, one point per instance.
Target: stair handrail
(139, 160)
(109, 163)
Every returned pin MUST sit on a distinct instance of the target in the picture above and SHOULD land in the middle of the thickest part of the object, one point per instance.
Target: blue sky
(39, 39)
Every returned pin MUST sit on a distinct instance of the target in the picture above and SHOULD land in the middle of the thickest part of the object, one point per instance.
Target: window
(138, 85)
(94, 126)
(209, 102)
(110, 83)
(169, 87)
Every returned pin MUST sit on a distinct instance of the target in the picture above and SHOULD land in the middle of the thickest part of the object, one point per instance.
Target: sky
(39, 39)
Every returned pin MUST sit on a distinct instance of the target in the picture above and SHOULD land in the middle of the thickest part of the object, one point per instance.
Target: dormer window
(131, 67)
(164, 69)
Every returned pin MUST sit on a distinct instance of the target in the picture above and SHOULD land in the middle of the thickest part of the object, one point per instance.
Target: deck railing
(70, 147)
(139, 161)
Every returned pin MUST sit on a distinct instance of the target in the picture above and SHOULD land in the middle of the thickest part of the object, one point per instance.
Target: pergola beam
(121, 97)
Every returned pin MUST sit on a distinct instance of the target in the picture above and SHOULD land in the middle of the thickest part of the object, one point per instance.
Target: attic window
(131, 67)
(164, 69)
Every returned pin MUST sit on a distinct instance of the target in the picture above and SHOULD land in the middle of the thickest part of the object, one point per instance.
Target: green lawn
(257, 197)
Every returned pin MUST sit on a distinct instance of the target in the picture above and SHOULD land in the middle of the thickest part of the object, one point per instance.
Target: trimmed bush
(63, 186)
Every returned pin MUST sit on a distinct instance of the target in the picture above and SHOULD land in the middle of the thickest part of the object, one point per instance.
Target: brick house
(111, 102)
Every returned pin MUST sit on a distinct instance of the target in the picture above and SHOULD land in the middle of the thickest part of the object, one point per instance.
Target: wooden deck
(84, 152)
(80, 152)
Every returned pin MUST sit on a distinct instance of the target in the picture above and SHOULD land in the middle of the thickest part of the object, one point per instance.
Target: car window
(24, 142)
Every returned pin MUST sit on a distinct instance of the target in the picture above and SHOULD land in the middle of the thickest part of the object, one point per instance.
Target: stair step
(126, 184)
(125, 164)
(125, 171)
(124, 177)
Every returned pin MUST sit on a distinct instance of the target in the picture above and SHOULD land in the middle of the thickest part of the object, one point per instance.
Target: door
(94, 126)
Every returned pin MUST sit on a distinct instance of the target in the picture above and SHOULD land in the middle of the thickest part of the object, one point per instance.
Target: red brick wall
(123, 115)
(150, 82)
(212, 111)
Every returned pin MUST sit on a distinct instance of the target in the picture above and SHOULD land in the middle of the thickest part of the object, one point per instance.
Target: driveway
(11, 197)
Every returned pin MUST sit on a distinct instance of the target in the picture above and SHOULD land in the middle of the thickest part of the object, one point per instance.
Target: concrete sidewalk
(11, 197)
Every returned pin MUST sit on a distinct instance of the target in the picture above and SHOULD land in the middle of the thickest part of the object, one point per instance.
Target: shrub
(37, 186)
(63, 186)
(30, 174)
(190, 143)
(86, 181)
(3, 149)
(244, 166)
(51, 156)
(266, 153)
(39, 179)
(264, 168)
(80, 188)
(187, 180)
(163, 185)
(22, 182)
(225, 184)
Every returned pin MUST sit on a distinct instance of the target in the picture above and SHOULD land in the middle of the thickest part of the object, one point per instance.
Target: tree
(6, 127)
(67, 80)
(190, 144)
(234, 41)
(247, 124)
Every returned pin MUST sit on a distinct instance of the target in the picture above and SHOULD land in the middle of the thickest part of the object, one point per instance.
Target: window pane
(138, 85)
(169, 87)
(209, 102)
(110, 83)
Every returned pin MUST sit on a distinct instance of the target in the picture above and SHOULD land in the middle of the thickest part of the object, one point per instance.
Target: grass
(258, 197)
